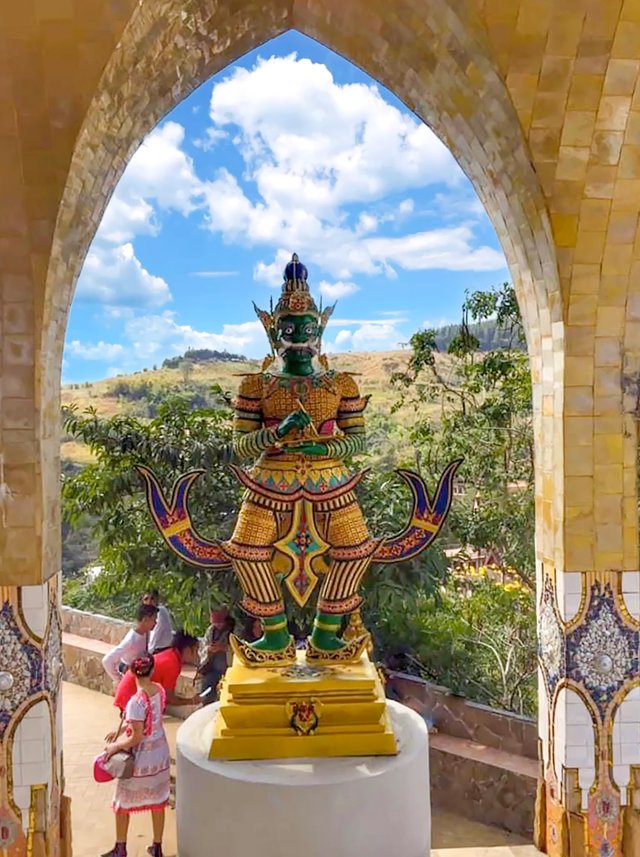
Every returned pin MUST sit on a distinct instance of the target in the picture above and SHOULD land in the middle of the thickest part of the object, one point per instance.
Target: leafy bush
(110, 494)
(474, 636)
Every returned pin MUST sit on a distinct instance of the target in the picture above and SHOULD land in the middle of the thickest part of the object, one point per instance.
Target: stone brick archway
(541, 108)
(439, 66)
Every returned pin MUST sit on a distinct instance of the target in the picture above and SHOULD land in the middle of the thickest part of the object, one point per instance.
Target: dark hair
(247, 628)
(153, 593)
(182, 640)
(145, 611)
(143, 665)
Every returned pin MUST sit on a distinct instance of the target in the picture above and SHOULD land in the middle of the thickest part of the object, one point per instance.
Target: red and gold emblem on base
(304, 715)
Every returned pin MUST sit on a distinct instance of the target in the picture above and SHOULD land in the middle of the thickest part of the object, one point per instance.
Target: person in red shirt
(168, 665)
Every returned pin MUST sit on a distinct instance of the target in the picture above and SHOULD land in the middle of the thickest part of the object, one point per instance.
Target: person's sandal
(118, 850)
(155, 850)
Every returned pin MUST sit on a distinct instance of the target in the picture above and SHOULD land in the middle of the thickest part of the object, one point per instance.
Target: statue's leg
(338, 597)
(250, 551)
(351, 551)
(262, 599)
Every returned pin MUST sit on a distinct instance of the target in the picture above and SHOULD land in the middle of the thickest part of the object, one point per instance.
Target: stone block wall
(93, 626)
(83, 666)
(459, 717)
(481, 789)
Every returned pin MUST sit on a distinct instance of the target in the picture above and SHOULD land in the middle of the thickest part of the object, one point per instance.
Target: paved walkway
(89, 715)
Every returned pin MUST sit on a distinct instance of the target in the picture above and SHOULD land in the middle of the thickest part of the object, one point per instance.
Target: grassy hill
(133, 393)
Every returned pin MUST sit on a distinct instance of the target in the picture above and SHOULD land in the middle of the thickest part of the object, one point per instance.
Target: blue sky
(292, 148)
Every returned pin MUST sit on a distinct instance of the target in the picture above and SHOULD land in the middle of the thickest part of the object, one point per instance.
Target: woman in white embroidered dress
(148, 789)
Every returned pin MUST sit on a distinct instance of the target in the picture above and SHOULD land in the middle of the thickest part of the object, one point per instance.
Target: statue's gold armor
(299, 516)
(300, 519)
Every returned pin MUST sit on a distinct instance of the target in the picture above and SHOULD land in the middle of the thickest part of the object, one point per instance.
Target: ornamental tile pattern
(551, 645)
(602, 652)
(23, 660)
(54, 667)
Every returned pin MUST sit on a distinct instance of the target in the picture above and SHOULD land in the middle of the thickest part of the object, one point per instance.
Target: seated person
(136, 642)
(216, 653)
(167, 668)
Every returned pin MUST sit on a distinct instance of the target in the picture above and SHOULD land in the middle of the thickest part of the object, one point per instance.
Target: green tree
(386, 503)
(485, 417)
(110, 493)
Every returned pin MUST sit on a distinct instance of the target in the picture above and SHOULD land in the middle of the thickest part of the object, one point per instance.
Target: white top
(131, 647)
(162, 635)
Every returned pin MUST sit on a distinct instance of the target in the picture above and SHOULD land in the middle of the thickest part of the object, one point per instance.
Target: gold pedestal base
(302, 711)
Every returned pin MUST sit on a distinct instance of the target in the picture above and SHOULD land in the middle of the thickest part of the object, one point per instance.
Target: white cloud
(159, 171)
(366, 223)
(154, 336)
(229, 210)
(449, 249)
(162, 171)
(114, 275)
(211, 138)
(126, 218)
(376, 337)
(159, 177)
(150, 338)
(369, 335)
(456, 204)
(338, 290)
(99, 351)
(316, 144)
(357, 322)
(343, 338)
(313, 149)
(272, 274)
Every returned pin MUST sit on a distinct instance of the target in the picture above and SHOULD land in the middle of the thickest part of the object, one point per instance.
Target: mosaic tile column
(589, 588)
(589, 639)
(31, 780)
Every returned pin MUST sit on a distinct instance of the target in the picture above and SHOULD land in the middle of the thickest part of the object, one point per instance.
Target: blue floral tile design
(602, 652)
(23, 660)
(551, 643)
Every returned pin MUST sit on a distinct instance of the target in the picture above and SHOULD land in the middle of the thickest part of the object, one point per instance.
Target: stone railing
(93, 626)
(459, 717)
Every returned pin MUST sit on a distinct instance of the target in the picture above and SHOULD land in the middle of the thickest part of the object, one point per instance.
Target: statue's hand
(295, 420)
(308, 448)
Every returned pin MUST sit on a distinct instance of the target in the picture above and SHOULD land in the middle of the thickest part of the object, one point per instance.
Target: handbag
(117, 767)
(120, 765)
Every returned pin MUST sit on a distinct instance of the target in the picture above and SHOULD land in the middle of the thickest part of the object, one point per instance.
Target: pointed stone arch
(539, 103)
(439, 65)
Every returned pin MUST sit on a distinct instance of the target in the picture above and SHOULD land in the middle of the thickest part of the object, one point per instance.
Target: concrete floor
(88, 716)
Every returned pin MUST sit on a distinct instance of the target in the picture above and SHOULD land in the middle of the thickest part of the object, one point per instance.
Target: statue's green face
(298, 342)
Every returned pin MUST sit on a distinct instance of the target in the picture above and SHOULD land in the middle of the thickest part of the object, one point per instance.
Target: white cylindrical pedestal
(368, 806)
